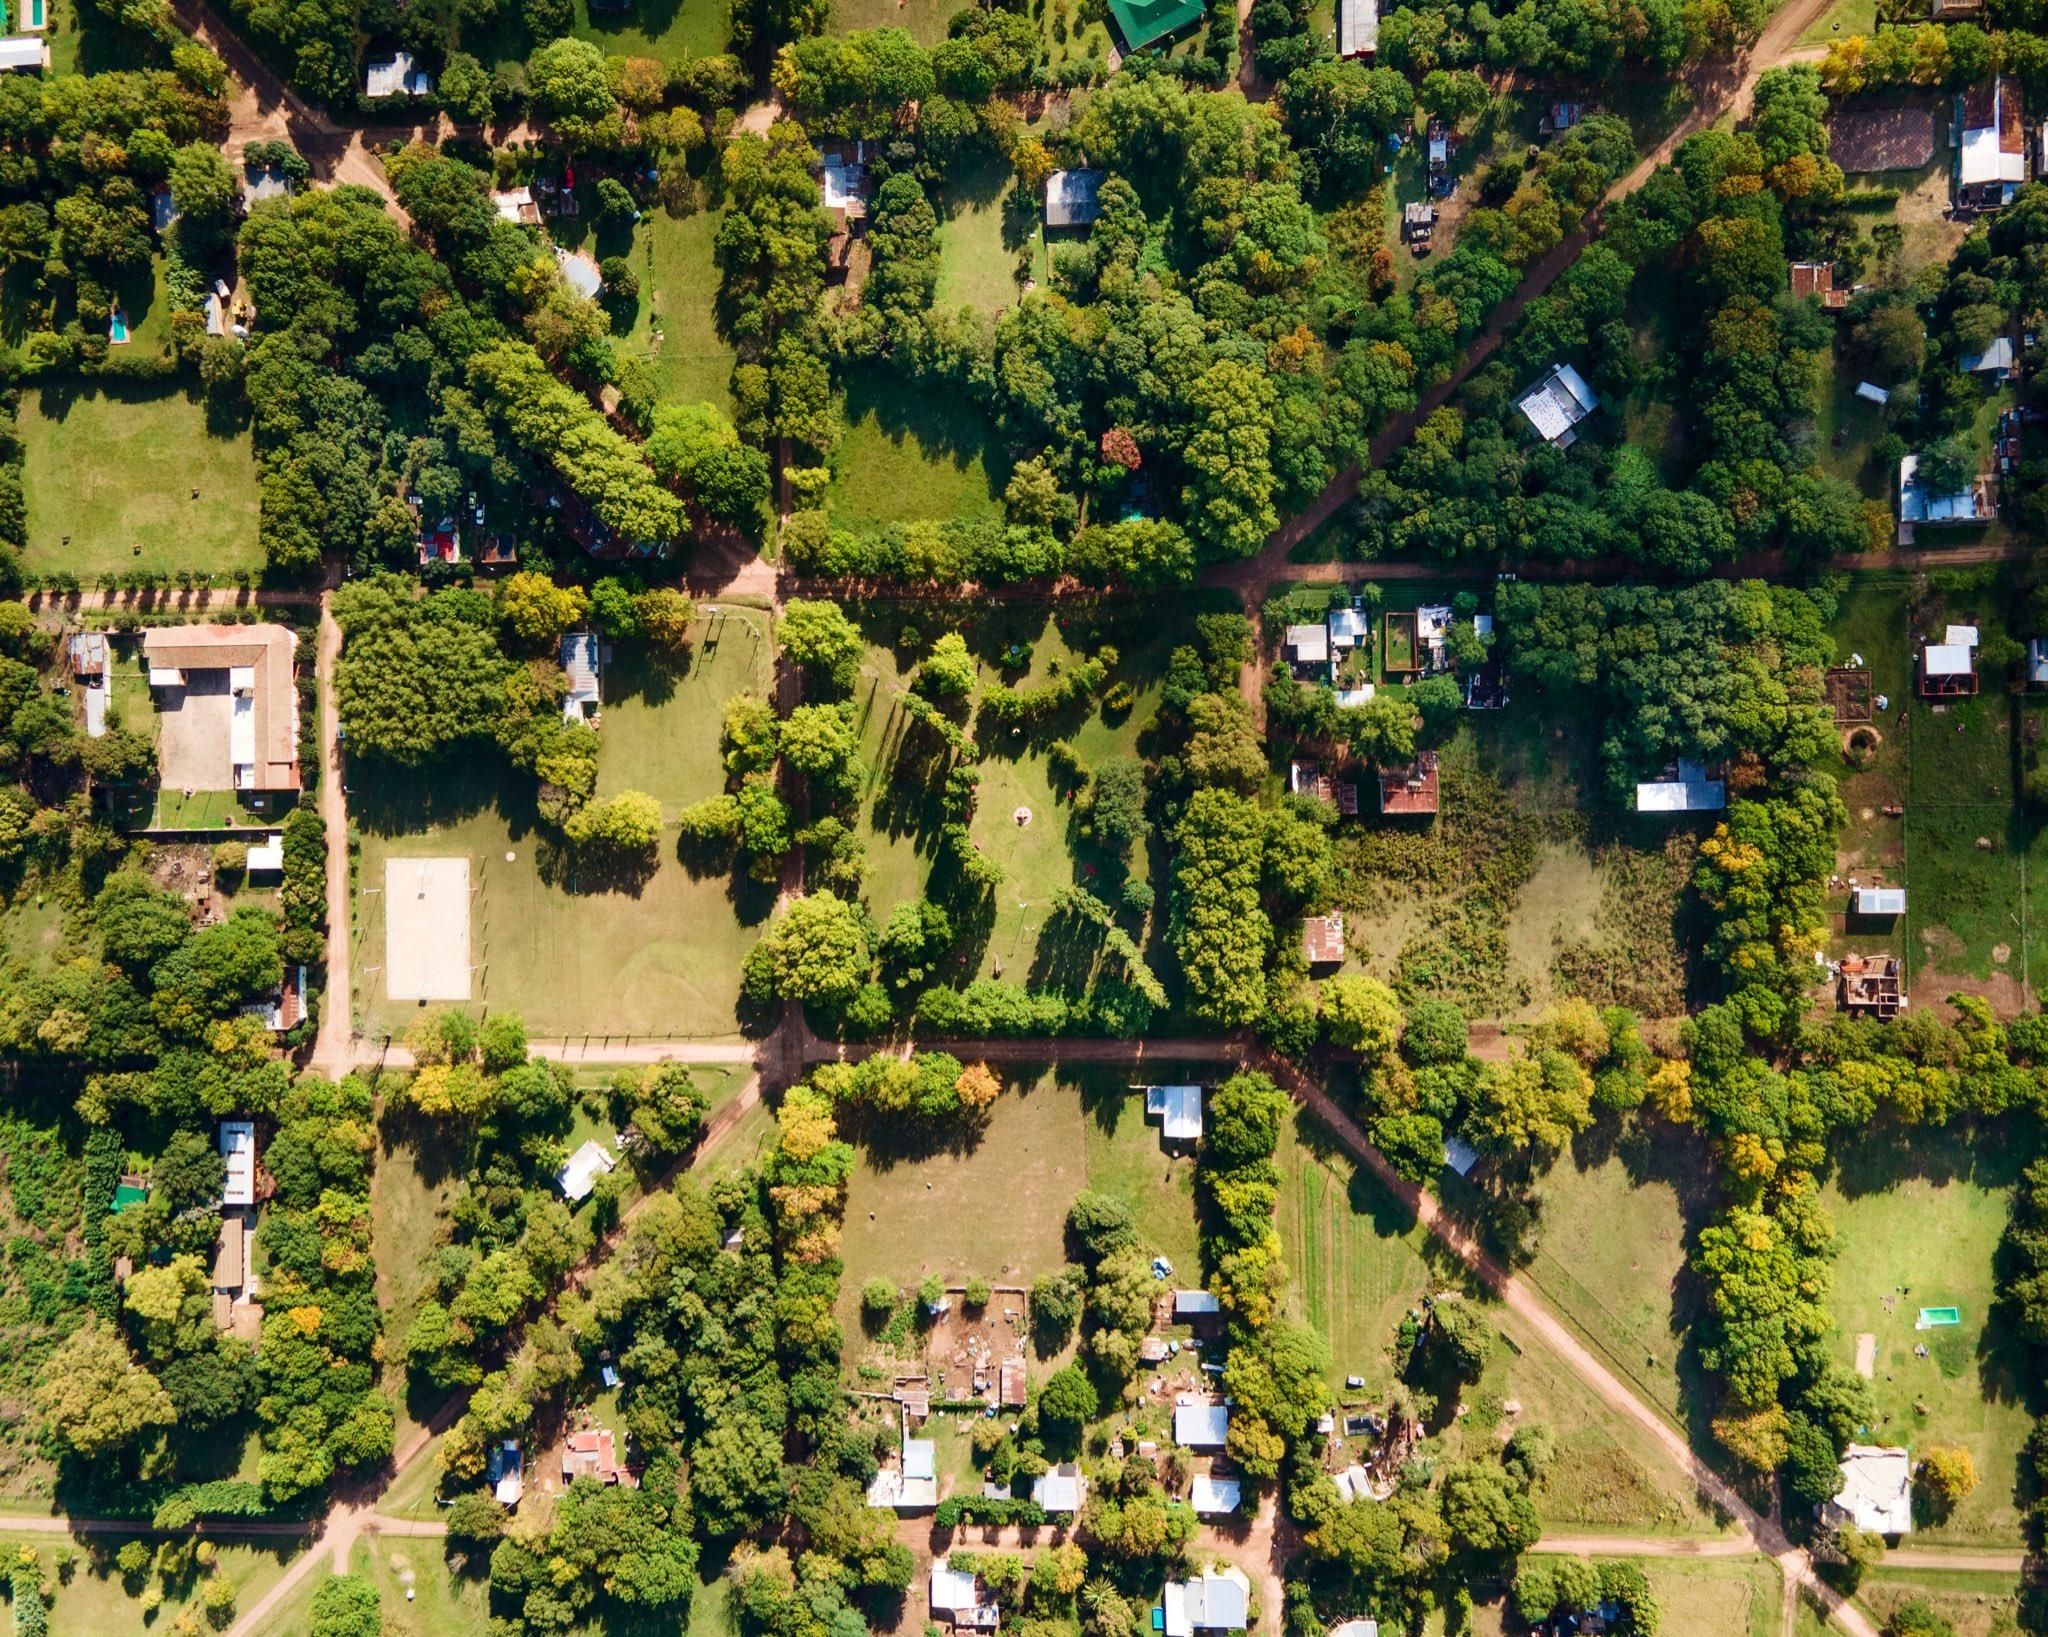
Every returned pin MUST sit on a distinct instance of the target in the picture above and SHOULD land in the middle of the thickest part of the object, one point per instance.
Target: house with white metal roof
(1179, 1109)
(1201, 1425)
(1214, 1497)
(1877, 1490)
(1557, 403)
(1214, 1600)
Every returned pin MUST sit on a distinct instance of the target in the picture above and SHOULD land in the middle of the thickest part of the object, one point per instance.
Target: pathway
(332, 1049)
(1718, 89)
(584, 1050)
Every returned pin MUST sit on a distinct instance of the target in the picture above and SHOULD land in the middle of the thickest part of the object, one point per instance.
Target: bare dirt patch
(193, 750)
(426, 928)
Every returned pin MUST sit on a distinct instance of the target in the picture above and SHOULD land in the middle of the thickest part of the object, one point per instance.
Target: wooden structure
(1871, 986)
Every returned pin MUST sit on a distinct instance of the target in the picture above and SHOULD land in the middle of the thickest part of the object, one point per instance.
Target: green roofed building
(1143, 21)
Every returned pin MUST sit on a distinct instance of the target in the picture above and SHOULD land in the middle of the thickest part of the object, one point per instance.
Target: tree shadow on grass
(1883, 1155)
(945, 427)
(635, 674)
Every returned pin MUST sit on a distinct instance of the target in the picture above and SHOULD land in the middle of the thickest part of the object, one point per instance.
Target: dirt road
(332, 1048)
(365, 1053)
(1717, 89)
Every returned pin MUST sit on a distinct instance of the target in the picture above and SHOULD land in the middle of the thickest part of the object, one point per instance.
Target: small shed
(1878, 903)
(238, 1149)
(582, 664)
(1059, 1491)
(1179, 1109)
(1995, 359)
(1073, 198)
(24, 54)
(1685, 788)
(1322, 940)
(396, 76)
(1871, 393)
(505, 1472)
(1192, 1305)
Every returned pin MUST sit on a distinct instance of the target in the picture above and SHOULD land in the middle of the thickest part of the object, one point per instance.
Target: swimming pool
(117, 327)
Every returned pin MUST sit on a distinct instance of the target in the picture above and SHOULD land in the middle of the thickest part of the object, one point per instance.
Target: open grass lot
(977, 254)
(32, 927)
(657, 953)
(1974, 1603)
(925, 19)
(652, 955)
(108, 472)
(1612, 1230)
(1842, 19)
(671, 31)
(900, 806)
(1922, 1240)
(96, 1600)
(1731, 1597)
(444, 1603)
(661, 725)
(905, 456)
(675, 329)
(1360, 1263)
(1045, 1141)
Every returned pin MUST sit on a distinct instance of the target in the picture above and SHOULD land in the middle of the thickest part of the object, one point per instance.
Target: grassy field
(111, 481)
(1360, 1263)
(1610, 1246)
(1842, 19)
(1045, 1141)
(977, 258)
(443, 1604)
(1922, 1240)
(658, 956)
(95, 1599)
(1975, 1604)
(675, 329)
(900, 806)
(905, 456)
(661, 727)
(925, 19)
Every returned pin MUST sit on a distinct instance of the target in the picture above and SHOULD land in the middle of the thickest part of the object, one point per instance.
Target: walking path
(331, 1050)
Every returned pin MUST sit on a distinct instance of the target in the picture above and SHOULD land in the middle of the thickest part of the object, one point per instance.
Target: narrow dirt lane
(332, 1053)
(1716, 91)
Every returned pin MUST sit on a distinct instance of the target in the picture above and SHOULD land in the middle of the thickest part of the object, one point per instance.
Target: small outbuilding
(1322, 941)
(958, 1598)
(1410, 791)
(1179, 1109)
(1878, 903)
(1994, 359)
(1685, 788)
(583, 665)
(1307, 647)
(1059, 1492)
(25, 54)
(238, 1150)
(1073, 198)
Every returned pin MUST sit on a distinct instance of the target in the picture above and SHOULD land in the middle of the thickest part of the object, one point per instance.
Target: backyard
(96, 1598)
(977, 261)
(675, 329)
(128, 481)
(1927, 1238)
(571, 950)
(908, 456)
(1044, 1141)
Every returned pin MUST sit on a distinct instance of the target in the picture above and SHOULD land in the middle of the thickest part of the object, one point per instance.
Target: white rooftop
(920, 1458)
(1214, 1496)
(1195, 1301)
(1211, 1601)
(23, 51)
(1558, 402)
(1960, 636)
(395, 76)
(238, 1148)
(579, 1173)
(1348, 626)
(1358, 28)
(1058, 1490)
(1877, 1489)
(1308, 644)
(1945, 659)
(1879, 900)
(1179, 1109)
(1997, 358)
(267, 855)
(1356, 1628)
(953, 1589)
(1201, 1426)
(1917, 506)
(1690, 791)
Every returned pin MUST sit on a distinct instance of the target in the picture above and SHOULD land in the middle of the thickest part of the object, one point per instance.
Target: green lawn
(670, 31)
(925, 19)
(570, 952)
(1974, 1603)
(906, 456)
(443, 1604)
(111, 480)
(1840, 21)
(675, 329)
(1045, 1141)
(1609, 1257)
(95, 1599)
(977, 254)
(661, 726)
(1927, 1239)
(1360, 1262)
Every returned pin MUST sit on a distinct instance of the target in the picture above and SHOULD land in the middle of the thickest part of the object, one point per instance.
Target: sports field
(426, 928)
(121, 482)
